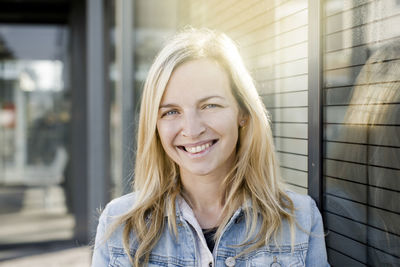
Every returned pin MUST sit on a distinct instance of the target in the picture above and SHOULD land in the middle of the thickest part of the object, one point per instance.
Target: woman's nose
(193, 125)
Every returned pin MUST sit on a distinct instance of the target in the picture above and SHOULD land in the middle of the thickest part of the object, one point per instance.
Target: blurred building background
(71, 75)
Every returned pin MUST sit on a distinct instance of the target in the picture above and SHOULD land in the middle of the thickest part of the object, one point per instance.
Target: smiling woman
(202, 132)
(207, 189)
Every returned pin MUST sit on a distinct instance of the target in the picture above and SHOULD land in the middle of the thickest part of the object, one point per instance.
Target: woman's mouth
(198, 148)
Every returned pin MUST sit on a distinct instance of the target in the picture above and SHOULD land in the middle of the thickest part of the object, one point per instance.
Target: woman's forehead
(197, 78)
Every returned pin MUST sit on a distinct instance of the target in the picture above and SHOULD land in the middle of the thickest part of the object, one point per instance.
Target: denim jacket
(309, 246)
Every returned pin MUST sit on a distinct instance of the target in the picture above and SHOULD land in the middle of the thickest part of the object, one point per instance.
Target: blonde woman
(207, 189)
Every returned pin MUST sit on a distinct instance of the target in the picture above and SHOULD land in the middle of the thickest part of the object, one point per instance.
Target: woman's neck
(206, 197)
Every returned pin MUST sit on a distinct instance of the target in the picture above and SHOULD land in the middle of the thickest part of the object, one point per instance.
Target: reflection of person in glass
(207, 189)
(370, 122)
(376, 87)
(46, 136)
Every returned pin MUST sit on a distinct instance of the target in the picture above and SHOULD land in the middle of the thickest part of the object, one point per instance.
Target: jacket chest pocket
(273, 259)
(120, 259)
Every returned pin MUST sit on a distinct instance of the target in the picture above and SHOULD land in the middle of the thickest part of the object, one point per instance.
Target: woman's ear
(243, 118)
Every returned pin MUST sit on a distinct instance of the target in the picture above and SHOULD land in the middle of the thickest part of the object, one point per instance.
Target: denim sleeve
(316, 254)
(101, 255)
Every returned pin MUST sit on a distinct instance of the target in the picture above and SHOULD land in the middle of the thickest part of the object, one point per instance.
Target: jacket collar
(182, 209)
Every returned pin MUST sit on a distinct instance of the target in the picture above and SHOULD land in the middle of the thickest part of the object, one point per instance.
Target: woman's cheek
(167, 129)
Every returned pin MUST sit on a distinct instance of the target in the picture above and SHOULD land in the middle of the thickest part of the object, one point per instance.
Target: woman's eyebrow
(169, 105)
(209, 97)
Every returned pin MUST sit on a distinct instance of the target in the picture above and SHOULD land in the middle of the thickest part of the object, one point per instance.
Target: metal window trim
(79, 119)
(98, 110)
(125, 20)
(315, 100)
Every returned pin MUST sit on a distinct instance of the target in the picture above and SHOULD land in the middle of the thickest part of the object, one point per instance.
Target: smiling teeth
(197, 149)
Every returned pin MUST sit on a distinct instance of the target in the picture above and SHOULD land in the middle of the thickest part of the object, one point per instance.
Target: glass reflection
(36, 115)
(34, 123)
(366, 146)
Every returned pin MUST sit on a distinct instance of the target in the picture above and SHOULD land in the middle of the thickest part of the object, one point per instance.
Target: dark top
(209, 235)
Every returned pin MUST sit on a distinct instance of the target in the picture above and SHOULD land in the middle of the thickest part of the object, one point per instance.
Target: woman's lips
(195, 149)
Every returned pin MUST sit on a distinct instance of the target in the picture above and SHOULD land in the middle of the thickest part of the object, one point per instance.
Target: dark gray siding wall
(361, 132)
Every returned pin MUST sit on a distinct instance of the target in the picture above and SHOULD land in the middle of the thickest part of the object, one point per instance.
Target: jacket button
(275, 263)
(230, 261)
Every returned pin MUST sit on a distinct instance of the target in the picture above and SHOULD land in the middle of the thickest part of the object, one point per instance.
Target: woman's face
(198, 119)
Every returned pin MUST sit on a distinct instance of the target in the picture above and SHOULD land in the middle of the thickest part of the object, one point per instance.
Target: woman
(207, 189)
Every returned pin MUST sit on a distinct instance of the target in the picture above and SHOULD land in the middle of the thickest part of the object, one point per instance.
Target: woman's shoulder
(299, 200)
(120, 205)
(305, 208)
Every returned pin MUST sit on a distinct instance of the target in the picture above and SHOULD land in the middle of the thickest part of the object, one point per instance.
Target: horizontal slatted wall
(272, 36)
(362, 132)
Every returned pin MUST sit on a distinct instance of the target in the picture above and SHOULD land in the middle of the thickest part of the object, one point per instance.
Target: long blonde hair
(254, 177)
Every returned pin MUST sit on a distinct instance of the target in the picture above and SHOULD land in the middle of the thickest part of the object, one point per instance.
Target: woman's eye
(210, 106)
(169, 113)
